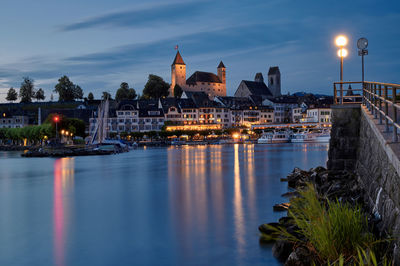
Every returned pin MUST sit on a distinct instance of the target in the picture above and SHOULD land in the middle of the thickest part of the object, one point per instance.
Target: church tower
(274, 81)
(221, 72)
(178, 74)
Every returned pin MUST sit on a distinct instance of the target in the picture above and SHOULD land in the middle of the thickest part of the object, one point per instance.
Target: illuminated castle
(209, 83)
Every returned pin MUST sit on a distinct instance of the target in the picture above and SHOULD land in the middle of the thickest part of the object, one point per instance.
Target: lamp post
(341, 42)
(56, 119)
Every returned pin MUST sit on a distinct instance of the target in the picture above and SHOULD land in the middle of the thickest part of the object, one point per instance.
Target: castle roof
(178, 59)
(221, 65)
(257, 88)
(200, 76)
(274, 70)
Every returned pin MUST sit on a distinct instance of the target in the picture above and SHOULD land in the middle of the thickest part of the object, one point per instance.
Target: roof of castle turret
(178, 59)
(221, 65)
(274, 70)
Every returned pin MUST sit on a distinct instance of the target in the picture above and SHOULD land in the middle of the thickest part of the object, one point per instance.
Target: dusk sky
(100, 43)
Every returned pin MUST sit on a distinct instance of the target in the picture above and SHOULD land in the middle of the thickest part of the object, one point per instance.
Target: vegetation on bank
(335, 233)
(36, 134)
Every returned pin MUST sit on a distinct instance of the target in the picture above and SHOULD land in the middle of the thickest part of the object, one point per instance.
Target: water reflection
(63, 184)
(237, 203)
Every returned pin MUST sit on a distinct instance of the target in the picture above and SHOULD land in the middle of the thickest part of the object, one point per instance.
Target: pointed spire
(221, 65)
(178, 59)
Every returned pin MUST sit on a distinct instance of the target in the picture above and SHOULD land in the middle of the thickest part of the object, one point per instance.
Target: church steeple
(178, 59)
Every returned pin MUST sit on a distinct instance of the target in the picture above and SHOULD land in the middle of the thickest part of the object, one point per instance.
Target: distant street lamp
(341, 41)
(56, 119)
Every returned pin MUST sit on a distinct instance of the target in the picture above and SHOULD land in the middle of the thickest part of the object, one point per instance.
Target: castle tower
(178, 73)
(274, 81)
(221, 72)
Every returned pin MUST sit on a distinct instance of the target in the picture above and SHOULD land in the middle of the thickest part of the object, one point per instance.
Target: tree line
(155, 88)
(35, 134)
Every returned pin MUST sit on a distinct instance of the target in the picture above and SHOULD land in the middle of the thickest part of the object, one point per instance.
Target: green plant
(336, 232)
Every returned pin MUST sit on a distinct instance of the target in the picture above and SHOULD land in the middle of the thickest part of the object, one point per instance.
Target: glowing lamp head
(62, 132)
(56, 118)
(341, 40)
(342, 52)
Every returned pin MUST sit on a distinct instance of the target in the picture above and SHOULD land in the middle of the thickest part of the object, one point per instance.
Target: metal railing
(381, 99)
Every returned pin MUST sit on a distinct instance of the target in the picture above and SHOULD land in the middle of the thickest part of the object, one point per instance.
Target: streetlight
(56, 118)
(341, 41)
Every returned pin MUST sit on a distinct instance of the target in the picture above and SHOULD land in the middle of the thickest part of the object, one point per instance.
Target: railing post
(386, 108)
(341, 92)
(380, 105)
(364, 94)
(394, 94)
(375, 102)
(369, 98)
(334, 94)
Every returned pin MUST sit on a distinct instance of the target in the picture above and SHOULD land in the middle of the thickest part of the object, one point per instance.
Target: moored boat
(275, 137)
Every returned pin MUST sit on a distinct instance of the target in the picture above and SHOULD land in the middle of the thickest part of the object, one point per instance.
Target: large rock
(301, 256)
(282, 249)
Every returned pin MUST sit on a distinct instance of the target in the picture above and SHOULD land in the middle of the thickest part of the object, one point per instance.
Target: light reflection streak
(238, 207)
(63, 183)
(217, 189)
(250, 180)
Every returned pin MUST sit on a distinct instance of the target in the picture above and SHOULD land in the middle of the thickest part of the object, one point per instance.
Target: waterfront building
(13, 121)
(297, 114)
(283, 106)
(209, 83)
(322, 116)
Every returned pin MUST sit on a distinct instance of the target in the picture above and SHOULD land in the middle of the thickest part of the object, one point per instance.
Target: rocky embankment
(341, 185)
(13, 148)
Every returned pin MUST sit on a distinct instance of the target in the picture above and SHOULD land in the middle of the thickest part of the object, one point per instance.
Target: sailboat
(101, 130)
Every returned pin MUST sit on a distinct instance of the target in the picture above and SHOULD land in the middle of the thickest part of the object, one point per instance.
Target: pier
(365, 138)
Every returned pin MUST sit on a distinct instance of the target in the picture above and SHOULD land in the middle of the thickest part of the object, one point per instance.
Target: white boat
(298, 137)
(275, 137)
(323, 135)
(178, 142)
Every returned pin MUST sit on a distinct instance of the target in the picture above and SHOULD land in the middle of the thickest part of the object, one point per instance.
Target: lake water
(197, 205)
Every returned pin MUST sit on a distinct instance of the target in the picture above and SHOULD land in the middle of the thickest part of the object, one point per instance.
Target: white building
(15, 121)
(322, 116)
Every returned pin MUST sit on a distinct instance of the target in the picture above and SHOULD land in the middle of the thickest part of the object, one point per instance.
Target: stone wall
(376, 167)
(344, 137)
(358, 143)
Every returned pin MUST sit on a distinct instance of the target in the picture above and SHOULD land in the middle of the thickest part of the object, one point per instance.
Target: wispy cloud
(150, 16)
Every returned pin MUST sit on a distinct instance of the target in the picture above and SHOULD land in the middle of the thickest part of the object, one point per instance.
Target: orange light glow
(342, 52)
(341, 40)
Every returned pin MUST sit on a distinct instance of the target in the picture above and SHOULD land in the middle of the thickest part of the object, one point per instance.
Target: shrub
(336, 232)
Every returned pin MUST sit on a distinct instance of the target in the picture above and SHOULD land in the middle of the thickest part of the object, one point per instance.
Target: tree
(106, 95)
(125, 93)
(27, 90)
(90, 96)
(178, 91)
(39, 95)
(155, 88)
(67, 90)
(12, 95)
